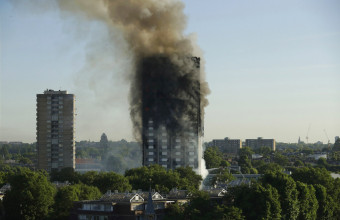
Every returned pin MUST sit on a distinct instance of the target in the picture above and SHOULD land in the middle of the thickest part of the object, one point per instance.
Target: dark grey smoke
(163, 57)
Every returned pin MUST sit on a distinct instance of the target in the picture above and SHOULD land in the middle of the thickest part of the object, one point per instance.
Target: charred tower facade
(171, 115)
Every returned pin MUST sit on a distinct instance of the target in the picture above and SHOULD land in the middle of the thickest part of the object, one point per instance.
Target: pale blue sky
(273, 68)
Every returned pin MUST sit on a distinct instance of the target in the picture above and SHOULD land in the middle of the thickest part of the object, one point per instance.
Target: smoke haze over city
(272, 67)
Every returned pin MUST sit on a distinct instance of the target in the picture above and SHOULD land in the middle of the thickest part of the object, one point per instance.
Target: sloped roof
(218, 192)
(178, 194)
(122, 197)
(155, 195)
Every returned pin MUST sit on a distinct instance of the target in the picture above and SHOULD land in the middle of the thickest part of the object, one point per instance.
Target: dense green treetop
(212, 157)
(288, 194)
(256, 201)
(307, 201)
(313, 176)
(190, 179)
(31, 195)
(269, 167)
(325, 202)
(65, 197)
(201, 207)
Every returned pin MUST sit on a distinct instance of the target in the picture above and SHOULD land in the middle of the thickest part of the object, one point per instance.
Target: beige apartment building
(260, 142)
(227, 145)
(55, 130)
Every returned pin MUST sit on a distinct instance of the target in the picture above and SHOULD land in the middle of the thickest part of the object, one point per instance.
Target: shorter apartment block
(227, 145)
(260, 142)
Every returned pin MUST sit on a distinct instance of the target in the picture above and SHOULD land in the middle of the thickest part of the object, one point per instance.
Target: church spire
(150, 211)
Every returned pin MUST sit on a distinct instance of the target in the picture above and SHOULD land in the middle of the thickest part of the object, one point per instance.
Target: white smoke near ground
(203, 172)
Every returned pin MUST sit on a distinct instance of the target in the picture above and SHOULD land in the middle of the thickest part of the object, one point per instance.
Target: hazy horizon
(272, 67)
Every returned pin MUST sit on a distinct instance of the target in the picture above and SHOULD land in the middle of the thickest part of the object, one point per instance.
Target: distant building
(104, 143)
(136, 205)
(318, 156)
(336, 138)
(260, 142)
(55, 130)
(227, 145)
(84, 165)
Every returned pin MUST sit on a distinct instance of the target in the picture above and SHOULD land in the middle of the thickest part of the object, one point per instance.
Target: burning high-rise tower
(171, 117)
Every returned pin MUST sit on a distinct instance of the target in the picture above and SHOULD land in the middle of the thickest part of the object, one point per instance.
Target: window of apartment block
(150, 153)
(164, 153)
(150, 159)
(191, 153)
(178, 159)
(178, 153)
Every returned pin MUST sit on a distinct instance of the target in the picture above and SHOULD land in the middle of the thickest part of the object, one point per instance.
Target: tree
(65, 174)
(111, 181)
(245, 155)
(201, 207)
(223, 176)
(281, 159)
(298, 163)
(155, 176)
(269, 167)
(257, 201)
(4, 151)
(212, 157)
(322, 162)
(25, 160)
(326, 203)
(30, 197)
(264, 150)
(314, 176)
(286, 188)
(67, 195)
(307, 201)
(189, 177)
(175, 211)
(228, 213)
(224, 164)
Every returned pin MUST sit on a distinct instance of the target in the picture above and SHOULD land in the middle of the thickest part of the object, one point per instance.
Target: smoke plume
(153, 31)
